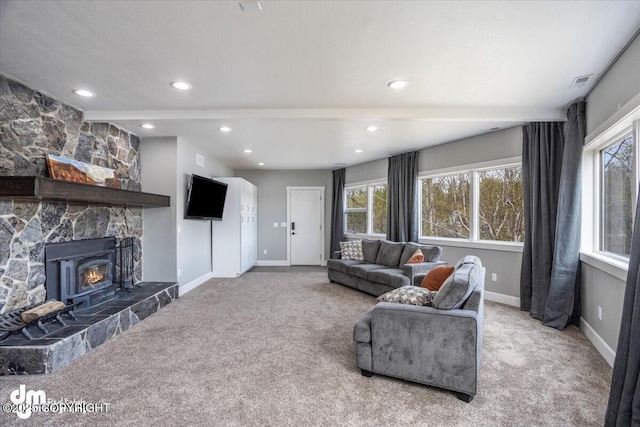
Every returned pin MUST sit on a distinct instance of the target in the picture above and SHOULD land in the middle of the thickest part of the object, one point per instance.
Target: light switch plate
(275, 224)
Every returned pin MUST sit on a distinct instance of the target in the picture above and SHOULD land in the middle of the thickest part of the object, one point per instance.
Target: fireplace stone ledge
(47, 353)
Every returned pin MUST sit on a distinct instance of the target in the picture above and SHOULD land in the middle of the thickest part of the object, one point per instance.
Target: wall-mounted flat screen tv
(205, 199)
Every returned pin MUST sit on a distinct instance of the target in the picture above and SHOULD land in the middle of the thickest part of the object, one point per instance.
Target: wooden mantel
(39, 188)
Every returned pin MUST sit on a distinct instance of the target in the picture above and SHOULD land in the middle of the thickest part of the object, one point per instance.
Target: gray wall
(601, 289)
(158, 173)
(167, 164)
(492, 146)
(272, 206)
(194, 237)
(620, 84)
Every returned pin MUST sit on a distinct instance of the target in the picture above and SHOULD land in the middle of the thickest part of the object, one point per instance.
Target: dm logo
(25, 400)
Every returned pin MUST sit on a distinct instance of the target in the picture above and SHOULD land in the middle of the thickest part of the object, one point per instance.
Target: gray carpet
(276, 349)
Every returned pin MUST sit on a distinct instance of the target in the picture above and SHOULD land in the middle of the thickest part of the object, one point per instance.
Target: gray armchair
(429, 345)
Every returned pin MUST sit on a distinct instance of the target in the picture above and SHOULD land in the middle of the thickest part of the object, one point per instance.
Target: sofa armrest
(427, 345)
(337, 255)
(362, 329)
(411, 270)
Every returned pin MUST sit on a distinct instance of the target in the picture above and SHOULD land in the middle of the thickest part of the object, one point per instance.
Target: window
(356, 210)
(617, 195)
(482, 204)
(446, 206)
(501, 211)
(366, 209)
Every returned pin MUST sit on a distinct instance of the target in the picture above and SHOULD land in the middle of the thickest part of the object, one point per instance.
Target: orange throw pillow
(416, 258)
(436, 277)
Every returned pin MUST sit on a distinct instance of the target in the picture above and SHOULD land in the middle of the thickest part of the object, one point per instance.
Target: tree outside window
(446, 205)
(617, 192)
(379, 214)
(356, 199)
(501, 212)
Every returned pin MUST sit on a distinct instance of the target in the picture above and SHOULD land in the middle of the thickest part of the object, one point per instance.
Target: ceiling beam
(436, 114)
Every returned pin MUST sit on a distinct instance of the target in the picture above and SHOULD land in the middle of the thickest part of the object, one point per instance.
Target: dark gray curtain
(551, 165)
(624, 397)
(337, 210)
(402, 200)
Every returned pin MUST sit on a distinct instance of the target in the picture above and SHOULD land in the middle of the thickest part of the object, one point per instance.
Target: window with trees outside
(617, 195)
(366, 209)
(483, 204)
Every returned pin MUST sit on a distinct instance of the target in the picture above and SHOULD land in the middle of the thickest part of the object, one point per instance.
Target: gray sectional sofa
(384, 267)
(438, 346)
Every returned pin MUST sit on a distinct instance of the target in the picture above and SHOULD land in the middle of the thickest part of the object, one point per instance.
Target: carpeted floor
(276, 349)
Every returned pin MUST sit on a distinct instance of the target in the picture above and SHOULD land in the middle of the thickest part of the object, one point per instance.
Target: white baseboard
(502, 298)
(270, 263)
(597, 341)
(194, 283)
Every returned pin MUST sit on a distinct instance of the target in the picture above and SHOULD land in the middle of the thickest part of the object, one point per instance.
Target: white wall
(166, 165)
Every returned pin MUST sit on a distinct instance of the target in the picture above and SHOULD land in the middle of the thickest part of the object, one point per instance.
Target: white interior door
(306, 226)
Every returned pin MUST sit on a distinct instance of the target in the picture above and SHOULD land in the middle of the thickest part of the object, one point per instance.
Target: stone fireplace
(32, 125)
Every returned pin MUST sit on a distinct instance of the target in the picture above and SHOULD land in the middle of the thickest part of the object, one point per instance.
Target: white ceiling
(300, 80)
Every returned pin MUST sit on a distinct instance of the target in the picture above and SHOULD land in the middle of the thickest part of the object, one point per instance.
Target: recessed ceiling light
(248, 151)
(371, 128)
(147, 126)
(224, 129)
(398, 84)
(181, 85)
(261, 164)
(85, 93)
(358, 151)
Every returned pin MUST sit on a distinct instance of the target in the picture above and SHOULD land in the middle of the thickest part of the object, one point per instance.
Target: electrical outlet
(494, 277)
(265, 251)
(283, 224)
(599, 313)
(179, 272)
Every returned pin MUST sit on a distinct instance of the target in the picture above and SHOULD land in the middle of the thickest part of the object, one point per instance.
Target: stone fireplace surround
(32, 125)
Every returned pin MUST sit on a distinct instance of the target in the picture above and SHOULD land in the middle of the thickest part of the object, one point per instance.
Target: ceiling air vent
(250, 6)
(580, 81)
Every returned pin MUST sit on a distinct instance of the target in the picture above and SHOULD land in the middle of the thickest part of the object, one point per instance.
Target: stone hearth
(49, 352)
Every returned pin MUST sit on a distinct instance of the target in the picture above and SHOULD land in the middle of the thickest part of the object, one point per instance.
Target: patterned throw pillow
(413, 295)
(416, 258)
(436, 277)
(351, 250)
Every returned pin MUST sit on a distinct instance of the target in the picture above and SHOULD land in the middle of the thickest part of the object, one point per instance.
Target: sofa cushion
(389, 276)
(351, 249)
(370, 250)
(408, 295)
(390, 253)
(457, 288)
(431, 253)
(362, 270)
(436, 277)
(416, 258)
(341, 264)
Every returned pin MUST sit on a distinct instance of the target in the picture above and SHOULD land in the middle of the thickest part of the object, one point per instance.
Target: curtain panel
(337, 211)
(551, 165)
(624, 398)
(402, 198)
